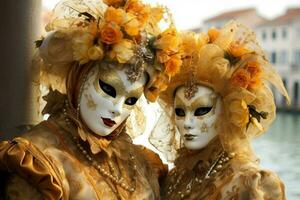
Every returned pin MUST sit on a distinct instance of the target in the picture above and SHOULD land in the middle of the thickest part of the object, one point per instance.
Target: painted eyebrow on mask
(202, 102)
(111, 77)
(197, 103)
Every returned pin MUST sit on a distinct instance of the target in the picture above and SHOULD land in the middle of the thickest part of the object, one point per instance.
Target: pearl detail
(213, 170)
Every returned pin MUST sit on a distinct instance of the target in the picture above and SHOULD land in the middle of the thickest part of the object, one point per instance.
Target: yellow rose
(131, 25)
(191, 41)
(110, 33)
(123, 51)
(95, 53)
(116, 15)
(168, 41)
(173, 65)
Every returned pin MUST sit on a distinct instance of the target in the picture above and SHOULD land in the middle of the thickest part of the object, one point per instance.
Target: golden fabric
(237, 178)
(47, 157)
(24, 159)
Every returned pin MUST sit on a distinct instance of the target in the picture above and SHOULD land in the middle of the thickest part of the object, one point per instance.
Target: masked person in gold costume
(217, 103)
(97, 60)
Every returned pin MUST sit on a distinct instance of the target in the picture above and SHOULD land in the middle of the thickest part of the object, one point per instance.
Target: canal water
(279, 150)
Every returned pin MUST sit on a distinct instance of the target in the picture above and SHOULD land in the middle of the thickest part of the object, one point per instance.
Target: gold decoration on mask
(90, 102)
(190, 90)
(204, 128)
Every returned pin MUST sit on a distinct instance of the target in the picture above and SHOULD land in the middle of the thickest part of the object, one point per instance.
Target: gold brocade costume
(229, 62)
(46, 161)
(65, 157)
(232, 177)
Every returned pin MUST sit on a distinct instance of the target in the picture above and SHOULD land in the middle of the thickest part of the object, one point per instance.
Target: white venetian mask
(108, 97)
(196, 117)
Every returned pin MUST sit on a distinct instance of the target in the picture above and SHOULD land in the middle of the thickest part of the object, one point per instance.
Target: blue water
(279, 150)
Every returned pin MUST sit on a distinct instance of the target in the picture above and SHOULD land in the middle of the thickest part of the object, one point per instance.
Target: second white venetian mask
(196, 117)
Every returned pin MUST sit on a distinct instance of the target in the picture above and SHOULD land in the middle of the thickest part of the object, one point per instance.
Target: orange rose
(238, 50)
(115, 15)
(110, 33)
(168, 41)
(213, 33)
(173, 65)
(254, 69)
(114, 3)
(134, 6)
(254, 83)
(240, 78)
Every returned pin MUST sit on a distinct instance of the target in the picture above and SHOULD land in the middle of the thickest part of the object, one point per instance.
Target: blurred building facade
(249, 17)
(279, 38)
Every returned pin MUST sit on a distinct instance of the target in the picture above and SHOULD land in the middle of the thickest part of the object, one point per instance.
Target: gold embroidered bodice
(48, 162)
(214, 174)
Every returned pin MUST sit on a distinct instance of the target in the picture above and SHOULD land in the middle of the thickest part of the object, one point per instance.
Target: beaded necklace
(216, 166)
(115, 179)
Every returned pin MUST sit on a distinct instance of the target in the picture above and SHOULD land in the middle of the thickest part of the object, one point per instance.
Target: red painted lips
(108, 122)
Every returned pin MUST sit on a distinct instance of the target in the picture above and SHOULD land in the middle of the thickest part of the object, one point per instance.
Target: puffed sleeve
(20, 158)
(254, 184)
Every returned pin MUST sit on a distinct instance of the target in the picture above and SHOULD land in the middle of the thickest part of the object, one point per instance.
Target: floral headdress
(84, 33)
(231, 62)
(122, 31)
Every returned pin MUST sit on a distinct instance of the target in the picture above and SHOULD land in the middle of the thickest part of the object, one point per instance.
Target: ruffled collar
(189, 159)
(67, 118)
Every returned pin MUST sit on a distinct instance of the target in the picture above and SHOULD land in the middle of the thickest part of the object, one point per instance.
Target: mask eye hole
(131, 101)
(108, 89)
(202, 111)
(179, 112)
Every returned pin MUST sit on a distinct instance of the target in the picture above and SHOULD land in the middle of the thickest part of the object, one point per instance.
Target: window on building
(284, 33)
(273, 57)
(274, 34)
(283, 57)
(296, 57)
(264, 35)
